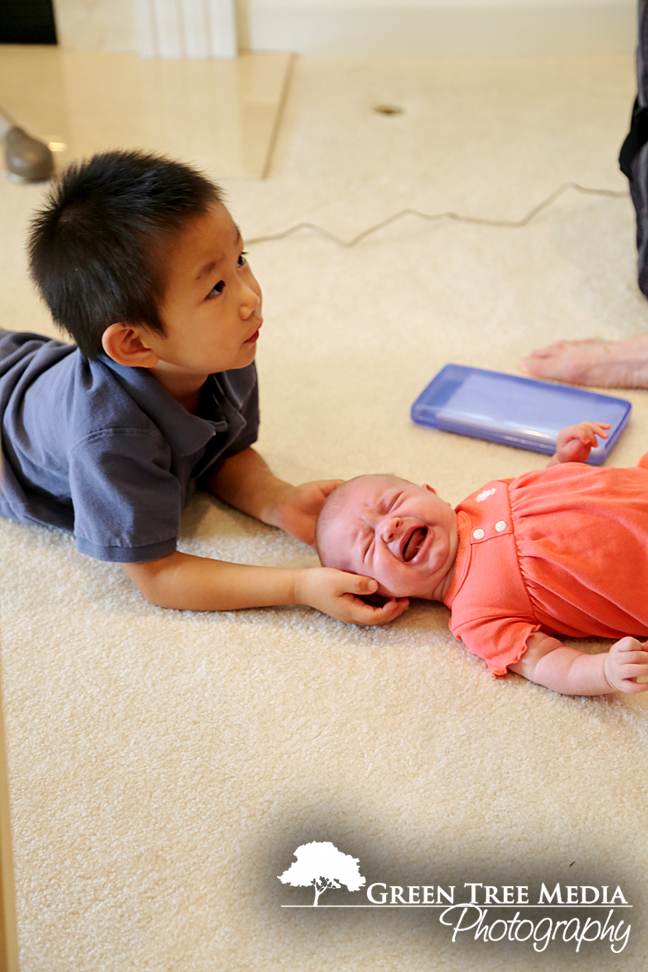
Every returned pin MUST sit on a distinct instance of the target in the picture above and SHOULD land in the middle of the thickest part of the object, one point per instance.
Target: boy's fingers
(362, 585)
(394, 609)
(360, 613)
(328, 485)
(363, 613)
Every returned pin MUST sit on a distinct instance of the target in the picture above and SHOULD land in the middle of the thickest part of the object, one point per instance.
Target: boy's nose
(250, 299)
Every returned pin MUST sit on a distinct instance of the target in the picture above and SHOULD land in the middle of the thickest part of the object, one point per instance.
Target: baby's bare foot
(616, 364)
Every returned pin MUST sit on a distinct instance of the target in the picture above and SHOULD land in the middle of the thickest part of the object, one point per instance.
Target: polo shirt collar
(186, 433)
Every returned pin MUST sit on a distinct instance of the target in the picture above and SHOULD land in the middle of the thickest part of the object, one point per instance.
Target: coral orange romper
(562, 550)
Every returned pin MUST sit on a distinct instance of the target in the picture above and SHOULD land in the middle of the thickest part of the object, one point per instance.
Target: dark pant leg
(639, 194)
(634, 151)
(642, 53)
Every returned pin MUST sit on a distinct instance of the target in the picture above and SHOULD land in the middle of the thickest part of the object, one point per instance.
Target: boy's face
(402, 535)
(212, 303)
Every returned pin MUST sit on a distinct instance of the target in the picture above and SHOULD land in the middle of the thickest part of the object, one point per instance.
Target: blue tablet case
(516, 411)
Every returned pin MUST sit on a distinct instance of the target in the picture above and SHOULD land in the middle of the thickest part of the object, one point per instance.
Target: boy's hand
(298, 507)
(246, 483)
(626, 661)
(339, 594)
(575, 443)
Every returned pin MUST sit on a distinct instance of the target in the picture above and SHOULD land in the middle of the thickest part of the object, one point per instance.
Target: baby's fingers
(598, 429)
(588, 431)
(629, 662)
(634, 666)
(629, 644)
(632, 687)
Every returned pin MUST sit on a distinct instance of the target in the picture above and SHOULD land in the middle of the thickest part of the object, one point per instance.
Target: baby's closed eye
(367, 544)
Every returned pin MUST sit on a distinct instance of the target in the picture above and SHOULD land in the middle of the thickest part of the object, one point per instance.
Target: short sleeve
(126, 500)
(491, 610)
(501, 642)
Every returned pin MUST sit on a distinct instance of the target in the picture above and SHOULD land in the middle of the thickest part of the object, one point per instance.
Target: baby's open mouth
(414, 543)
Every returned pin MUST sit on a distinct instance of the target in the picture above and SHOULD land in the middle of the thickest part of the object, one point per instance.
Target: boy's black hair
(96, 249)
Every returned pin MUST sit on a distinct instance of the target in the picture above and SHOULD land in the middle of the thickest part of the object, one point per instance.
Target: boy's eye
(241, 260)
(216, 289)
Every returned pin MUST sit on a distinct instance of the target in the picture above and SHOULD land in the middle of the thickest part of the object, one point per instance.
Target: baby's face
(402, 535)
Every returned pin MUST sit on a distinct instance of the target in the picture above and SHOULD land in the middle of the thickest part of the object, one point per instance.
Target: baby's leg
(619, 364)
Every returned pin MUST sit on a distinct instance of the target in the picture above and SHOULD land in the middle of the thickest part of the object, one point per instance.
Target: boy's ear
(425, 486)
(126, 344)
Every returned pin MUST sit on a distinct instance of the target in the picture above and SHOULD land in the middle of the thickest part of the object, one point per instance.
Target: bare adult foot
(616, 364)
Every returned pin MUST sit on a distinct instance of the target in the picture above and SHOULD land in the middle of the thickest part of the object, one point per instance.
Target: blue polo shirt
(104, 451)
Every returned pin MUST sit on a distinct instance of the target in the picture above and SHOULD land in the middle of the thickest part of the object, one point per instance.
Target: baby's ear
(425, 486)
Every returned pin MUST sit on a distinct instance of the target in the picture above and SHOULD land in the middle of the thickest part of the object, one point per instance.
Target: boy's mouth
(253, 337)
(413, 543)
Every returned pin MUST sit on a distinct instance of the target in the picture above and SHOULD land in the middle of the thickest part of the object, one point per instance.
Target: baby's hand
(575, 443)
(340, 594)
(626, 661)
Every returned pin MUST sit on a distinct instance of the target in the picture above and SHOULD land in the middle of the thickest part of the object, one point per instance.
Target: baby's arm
(572, 672)
(191, 583)
(575, 443)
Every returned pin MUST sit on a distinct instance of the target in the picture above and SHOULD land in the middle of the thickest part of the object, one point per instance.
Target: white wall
(402, 28)
(439, 28)
(164, 28)
(95, 25)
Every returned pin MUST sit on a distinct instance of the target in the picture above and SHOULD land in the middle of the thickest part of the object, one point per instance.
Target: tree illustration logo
(321, 864)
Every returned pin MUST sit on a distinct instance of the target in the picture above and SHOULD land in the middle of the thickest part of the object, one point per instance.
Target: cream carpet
(164, 766)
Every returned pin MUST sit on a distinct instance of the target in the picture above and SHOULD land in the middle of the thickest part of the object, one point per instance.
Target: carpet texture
(164, 766)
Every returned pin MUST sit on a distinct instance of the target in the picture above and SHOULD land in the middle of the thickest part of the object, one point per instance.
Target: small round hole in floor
(388, 110)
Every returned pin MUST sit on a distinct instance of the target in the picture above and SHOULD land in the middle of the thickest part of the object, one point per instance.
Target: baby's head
(402, 535)
(100, 248)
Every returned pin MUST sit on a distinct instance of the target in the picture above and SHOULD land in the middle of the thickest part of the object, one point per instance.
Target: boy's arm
(572, 672)
(191, 583)
(575, 443)
(246, 482)
(198, 584)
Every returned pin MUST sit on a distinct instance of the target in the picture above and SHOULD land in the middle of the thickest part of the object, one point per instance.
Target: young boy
(140, 262)
(561, 550)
